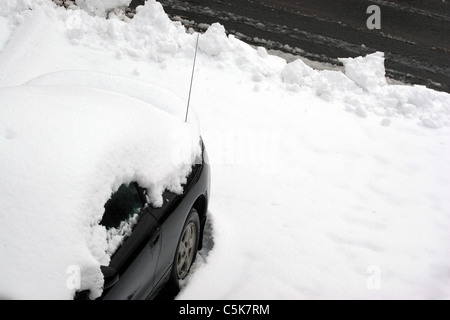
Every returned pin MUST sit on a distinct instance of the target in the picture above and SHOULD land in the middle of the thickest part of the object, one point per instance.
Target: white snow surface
(102, 7)
(325, 184)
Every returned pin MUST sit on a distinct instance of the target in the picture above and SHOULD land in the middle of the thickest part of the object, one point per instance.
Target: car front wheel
(187, 249)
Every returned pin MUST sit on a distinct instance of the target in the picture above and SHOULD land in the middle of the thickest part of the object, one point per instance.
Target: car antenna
(192, 78)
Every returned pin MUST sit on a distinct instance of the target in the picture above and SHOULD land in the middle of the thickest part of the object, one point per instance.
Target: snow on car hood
(64, 149)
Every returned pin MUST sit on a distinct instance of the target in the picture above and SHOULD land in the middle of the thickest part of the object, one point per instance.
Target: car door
(172, 216)
(130, 274)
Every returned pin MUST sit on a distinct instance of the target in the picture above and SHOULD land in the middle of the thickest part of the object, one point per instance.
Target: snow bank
(363, 90)
(368, 73)
(357, 205)
(102, 7)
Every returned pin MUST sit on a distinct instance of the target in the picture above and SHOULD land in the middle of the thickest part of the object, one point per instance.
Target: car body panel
(136, 261)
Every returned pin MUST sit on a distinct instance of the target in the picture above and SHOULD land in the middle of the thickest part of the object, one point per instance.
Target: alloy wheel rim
(186, 250)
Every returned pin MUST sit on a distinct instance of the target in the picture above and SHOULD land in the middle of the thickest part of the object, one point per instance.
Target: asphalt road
(414, 34)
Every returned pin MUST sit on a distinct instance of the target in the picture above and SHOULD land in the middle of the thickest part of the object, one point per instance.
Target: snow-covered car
(161, 243)
(104, 188)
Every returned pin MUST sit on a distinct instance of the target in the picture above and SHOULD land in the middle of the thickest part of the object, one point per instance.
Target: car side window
(121, 215)
(123, 205)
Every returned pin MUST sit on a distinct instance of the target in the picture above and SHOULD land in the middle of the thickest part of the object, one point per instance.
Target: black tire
(186, 250)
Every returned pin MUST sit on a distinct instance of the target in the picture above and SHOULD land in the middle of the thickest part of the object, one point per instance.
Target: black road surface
(414, 34)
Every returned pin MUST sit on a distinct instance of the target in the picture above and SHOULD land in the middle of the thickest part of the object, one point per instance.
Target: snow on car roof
(65, 149)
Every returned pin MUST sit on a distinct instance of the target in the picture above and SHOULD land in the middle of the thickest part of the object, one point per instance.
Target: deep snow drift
(326, 184)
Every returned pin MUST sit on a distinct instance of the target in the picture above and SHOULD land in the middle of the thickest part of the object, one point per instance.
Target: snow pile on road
(102, 7)
(363, 89)
(367, 73)
(326, 184)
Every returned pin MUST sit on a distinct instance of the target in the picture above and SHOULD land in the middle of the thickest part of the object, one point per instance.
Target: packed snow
(325, 184)
(116, 236)
(102, 7)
